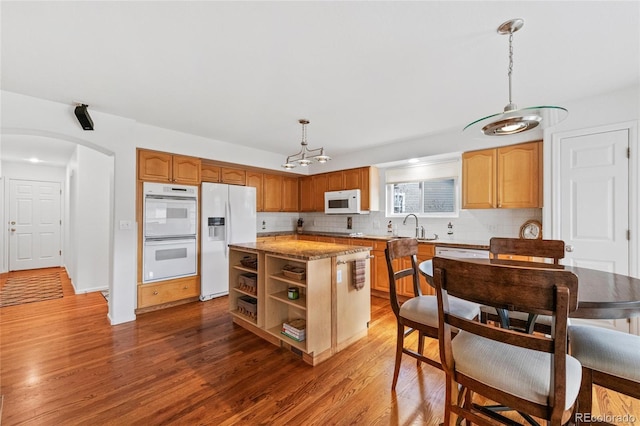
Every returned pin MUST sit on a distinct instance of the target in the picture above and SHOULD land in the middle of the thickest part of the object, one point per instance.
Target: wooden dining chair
(609, 358)
(529, 373)
(419, 313)
(519, 249)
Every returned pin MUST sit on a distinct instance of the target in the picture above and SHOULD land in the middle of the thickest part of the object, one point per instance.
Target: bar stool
(420, 312)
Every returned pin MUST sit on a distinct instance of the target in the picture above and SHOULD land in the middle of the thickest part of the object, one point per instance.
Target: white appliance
(461, 252)
(342, 202)
(167, 258)
(170, 210)
(228, 217)
(169, 229)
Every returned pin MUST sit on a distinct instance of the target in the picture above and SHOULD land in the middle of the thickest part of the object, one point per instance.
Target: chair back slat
(397, 250)
(549, 249)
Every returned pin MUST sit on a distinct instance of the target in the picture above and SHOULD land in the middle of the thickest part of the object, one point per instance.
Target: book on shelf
(297, 339)
(296, 324)
(295, 333)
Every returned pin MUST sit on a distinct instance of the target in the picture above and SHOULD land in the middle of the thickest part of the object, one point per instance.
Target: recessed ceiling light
(34, 160)
(414, 160)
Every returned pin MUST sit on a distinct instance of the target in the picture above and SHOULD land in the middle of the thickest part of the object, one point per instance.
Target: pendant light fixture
(305, 155)
(514, 120)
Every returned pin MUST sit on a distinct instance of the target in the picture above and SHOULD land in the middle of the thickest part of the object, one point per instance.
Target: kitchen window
(427, 190)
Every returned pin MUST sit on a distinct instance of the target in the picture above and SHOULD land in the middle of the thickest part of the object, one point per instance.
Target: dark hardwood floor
(63, 363)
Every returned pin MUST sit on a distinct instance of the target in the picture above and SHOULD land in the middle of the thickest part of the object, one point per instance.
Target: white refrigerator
(228, 216)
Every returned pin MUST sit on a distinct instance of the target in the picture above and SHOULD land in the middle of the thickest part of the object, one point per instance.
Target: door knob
(569, 248)
(13, 222)
(13, 229)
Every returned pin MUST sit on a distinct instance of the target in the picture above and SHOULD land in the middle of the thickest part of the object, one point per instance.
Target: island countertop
(300, 249)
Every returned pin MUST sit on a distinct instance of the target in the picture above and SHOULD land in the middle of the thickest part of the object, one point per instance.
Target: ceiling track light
(513, 120)
(305, 156)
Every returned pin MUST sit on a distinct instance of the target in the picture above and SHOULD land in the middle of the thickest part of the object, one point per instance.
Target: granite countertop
(442, 242)
(305, 250)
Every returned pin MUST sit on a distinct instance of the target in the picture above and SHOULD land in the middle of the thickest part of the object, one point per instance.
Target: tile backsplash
(470, 225)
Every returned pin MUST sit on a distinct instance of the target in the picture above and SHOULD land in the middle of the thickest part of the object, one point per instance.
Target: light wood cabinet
(280, 193)
(233, 176)
(425, 252)
(335, 181)
(255, 179)
(289, 194)
(305, 194)
(320, 186)
(352, 179)
(161, 293)
(209, 172)
(272, 198)
(505, 177)
(154, 166)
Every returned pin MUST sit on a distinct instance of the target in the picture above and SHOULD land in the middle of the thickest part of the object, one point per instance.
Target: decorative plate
(531, 230)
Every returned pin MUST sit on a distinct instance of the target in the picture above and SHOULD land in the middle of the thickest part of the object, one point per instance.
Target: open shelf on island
(281, 277)
(277, 331)
(300, 303)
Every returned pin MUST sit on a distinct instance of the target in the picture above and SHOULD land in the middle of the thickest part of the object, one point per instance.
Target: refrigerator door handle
(227, 236)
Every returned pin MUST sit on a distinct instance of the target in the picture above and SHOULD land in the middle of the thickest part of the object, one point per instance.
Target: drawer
(156, 294)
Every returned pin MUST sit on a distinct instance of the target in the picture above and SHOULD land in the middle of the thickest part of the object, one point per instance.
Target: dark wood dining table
(601, 295)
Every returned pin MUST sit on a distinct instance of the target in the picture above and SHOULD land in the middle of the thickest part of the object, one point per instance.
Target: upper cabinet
(280, 193)
(255, 179)
(209, 172)
(165, 167)
(505, 177)
(233, 176)
(312, 188)
(306, 198)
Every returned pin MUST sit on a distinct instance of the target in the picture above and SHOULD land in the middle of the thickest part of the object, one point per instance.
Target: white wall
(25, 171)
(89, 219)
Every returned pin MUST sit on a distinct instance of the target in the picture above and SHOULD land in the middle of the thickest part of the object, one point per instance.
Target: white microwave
(342, 202)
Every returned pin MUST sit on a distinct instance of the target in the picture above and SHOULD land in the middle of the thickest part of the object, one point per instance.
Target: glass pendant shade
(513, 120)
(522, 120)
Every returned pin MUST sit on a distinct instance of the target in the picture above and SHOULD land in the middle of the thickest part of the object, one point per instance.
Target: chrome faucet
(404, 222)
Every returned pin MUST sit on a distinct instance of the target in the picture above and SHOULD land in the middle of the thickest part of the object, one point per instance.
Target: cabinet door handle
(185, 287)
(155, 293)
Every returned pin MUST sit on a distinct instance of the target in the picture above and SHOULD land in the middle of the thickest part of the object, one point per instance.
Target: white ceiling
(364, 73)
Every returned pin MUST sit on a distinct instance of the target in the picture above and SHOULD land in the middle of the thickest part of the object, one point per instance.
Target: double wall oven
(169, 229)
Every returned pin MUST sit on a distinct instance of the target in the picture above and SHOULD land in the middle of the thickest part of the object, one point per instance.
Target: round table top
(601, 295)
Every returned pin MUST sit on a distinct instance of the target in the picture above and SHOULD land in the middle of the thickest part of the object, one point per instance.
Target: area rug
(28, 289)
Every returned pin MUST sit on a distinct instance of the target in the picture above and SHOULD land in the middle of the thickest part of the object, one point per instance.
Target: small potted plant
(300, 223)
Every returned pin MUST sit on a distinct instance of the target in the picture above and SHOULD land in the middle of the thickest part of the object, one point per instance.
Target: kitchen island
(324, 286)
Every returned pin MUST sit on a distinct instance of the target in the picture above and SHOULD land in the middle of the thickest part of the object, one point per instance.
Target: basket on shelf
(248, 306)
(292, 271)
(249, 262)
(248, 283)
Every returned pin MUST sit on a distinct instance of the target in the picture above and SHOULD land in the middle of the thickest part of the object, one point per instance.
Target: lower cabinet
(178, 290)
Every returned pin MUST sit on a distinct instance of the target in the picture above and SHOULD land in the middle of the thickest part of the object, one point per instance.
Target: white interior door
(594, 203)
(34, 224)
